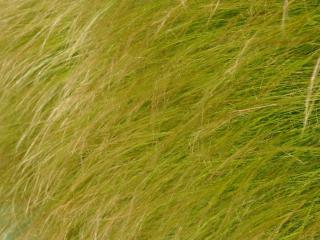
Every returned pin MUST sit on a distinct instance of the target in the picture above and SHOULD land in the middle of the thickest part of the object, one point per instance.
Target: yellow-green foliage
(159, 119)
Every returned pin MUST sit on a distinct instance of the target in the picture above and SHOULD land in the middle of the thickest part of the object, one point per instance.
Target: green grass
(162, 119)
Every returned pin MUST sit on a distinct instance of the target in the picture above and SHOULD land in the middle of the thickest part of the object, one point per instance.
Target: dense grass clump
(162, 119)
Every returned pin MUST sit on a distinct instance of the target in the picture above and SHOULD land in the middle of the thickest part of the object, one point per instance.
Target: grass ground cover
(138, 119)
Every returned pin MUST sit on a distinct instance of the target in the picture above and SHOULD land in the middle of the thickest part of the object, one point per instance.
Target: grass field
(159, 119)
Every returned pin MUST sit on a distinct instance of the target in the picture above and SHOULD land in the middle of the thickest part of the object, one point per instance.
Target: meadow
(159, 120)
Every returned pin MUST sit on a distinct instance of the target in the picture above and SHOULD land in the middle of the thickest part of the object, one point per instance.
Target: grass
(190, 119)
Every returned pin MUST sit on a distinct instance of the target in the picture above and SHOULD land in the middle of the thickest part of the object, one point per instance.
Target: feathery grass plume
(309, 102)
(136, 119)
(284, 13)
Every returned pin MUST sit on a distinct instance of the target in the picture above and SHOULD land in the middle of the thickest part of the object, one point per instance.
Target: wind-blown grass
(129, 119)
